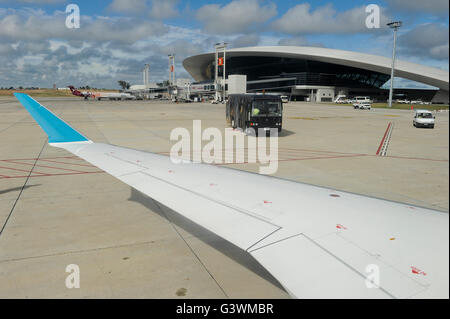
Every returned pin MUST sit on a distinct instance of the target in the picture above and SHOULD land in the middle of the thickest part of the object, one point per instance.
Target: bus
(257, 111)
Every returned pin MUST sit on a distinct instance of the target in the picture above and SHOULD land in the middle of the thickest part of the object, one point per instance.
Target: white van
(361, 99)
(423, 118)
(284, 98)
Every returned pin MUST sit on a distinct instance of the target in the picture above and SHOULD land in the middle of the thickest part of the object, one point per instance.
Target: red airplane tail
(75, 91)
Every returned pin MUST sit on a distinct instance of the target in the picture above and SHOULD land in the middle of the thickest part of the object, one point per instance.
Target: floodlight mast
(220, 48)
(393, 25)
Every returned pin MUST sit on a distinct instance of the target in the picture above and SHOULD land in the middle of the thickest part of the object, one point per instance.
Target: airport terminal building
(319, 74)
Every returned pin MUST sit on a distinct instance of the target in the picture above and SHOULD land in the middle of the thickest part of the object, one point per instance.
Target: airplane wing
(317, 242)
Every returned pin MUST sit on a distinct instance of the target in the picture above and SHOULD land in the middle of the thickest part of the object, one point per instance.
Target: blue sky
(117, 37)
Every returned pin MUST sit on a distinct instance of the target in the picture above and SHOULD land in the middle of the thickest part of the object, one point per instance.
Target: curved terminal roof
(196, 65)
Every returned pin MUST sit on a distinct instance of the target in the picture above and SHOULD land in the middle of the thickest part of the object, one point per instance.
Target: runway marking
(53, 167)
(52, 170)
(47, 175)
(382, 149)
(18, 169)
(286, 155)
(85, 165)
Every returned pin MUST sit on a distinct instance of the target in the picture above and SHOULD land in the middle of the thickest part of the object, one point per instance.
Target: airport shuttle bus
(257, 111)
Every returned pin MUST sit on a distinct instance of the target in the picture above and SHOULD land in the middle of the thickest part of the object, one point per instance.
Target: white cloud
(439, 7)
(156, 9)
(33, 26)
(427, 40)
(298, 41)
(164, 9)
(302, 20)
(128, 6)
(238, 16)
(247, 40)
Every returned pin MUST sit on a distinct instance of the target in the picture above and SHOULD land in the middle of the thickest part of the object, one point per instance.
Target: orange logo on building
(220, 61)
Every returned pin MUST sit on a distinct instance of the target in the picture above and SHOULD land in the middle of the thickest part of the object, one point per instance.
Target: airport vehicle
(341, 99)
(362, 102)
(417, 102)
(317, 242)
(361, 99)
(101, 95)
(362, 106)
(257, 111)
(284, 99)
(403, 101)
(423, 118)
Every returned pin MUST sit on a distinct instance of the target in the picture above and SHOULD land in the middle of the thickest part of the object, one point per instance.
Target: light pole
(220, 48)
(393, 25)
(172, 85)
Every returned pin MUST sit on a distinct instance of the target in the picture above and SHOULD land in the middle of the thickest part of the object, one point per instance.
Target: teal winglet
(57, 130)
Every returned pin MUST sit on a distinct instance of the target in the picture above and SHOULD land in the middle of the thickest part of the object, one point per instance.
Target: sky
(117, 37)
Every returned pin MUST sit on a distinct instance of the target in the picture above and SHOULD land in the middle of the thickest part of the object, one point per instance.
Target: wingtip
(56, 129)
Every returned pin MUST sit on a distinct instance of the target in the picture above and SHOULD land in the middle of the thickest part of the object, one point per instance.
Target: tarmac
(57, 210)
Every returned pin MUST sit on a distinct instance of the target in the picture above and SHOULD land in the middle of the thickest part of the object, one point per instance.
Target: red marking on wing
(267, 202)
(340, 226)
(417, 271)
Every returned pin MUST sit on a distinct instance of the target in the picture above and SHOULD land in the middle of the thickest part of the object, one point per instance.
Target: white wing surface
(317, 242)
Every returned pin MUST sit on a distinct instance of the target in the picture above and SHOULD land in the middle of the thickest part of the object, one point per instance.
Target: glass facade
(279, 72)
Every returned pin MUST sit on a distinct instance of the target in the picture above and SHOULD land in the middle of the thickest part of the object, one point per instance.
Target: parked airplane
(101, 95)
(318, 243)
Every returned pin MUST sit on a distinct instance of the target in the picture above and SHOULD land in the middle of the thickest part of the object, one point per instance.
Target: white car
(362, 106)
(423, 118)
(342, 100)
(284, 98)
(362, 102)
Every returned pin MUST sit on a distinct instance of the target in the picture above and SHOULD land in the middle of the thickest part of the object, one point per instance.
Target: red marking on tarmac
(47, 175)
(417, 271)
(383, 139)
(318, 155)
(34, 173)
(212, 185)
(21, 170)
(418, 158)
(267, 202)
(295, 159)
(67, 163)
(34, 158)
(340, 226)
(170, 171)
(54, 167)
